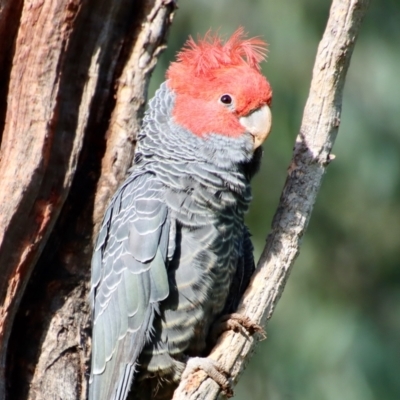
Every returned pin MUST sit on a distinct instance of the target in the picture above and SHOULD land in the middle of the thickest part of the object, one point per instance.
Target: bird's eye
(226, 99)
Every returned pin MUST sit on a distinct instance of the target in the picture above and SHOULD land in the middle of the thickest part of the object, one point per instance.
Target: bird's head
(219, 89)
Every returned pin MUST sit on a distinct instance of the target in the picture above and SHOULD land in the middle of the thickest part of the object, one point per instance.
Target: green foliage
(336, 331)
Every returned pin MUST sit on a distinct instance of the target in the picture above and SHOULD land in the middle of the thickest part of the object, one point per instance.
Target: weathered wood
(311, 156)
(34, 141)
(79, 69)
(10, 13)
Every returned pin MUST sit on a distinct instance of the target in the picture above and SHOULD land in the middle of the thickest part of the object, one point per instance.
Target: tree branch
(321, 120)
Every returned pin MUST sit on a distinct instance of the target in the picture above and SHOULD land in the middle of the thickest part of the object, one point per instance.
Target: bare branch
(321, 120)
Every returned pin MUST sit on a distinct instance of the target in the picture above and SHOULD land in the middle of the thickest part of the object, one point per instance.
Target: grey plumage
(172, 254)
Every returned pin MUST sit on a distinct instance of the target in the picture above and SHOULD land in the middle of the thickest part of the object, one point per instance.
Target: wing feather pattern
(129, 279)
(244, 270)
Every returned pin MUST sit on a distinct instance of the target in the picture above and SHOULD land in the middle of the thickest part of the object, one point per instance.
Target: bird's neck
(185, 162)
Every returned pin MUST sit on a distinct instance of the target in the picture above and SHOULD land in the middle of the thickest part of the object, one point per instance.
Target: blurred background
(336, 331)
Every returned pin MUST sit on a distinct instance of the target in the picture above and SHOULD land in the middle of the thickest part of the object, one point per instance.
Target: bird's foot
(237, 323)
(212, 369)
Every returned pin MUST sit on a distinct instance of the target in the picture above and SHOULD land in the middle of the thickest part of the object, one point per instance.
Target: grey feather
(172, 254)
(129, 277)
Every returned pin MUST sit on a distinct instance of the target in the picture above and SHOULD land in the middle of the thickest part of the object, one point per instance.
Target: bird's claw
(238, 323)
(212, 369)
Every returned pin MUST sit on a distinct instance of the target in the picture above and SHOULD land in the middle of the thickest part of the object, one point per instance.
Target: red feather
(211, 53)
(210, 68)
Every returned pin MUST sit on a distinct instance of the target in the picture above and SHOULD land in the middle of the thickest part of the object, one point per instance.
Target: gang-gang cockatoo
(173, 253)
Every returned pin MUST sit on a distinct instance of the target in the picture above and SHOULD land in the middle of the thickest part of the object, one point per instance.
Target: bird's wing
(129, 279)
(244, 270)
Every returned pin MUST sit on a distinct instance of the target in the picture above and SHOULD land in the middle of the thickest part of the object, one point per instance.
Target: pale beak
(258, 123)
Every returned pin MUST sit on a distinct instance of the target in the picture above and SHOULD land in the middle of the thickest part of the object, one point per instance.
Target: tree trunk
(73, 86)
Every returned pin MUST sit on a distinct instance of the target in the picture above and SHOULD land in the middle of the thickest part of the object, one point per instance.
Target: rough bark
(78, 73)
(320, 124)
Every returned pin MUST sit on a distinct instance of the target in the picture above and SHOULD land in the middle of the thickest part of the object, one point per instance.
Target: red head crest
(210, 68)
(211, 53)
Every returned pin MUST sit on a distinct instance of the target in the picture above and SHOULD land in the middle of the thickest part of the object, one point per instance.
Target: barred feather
(170, 245)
